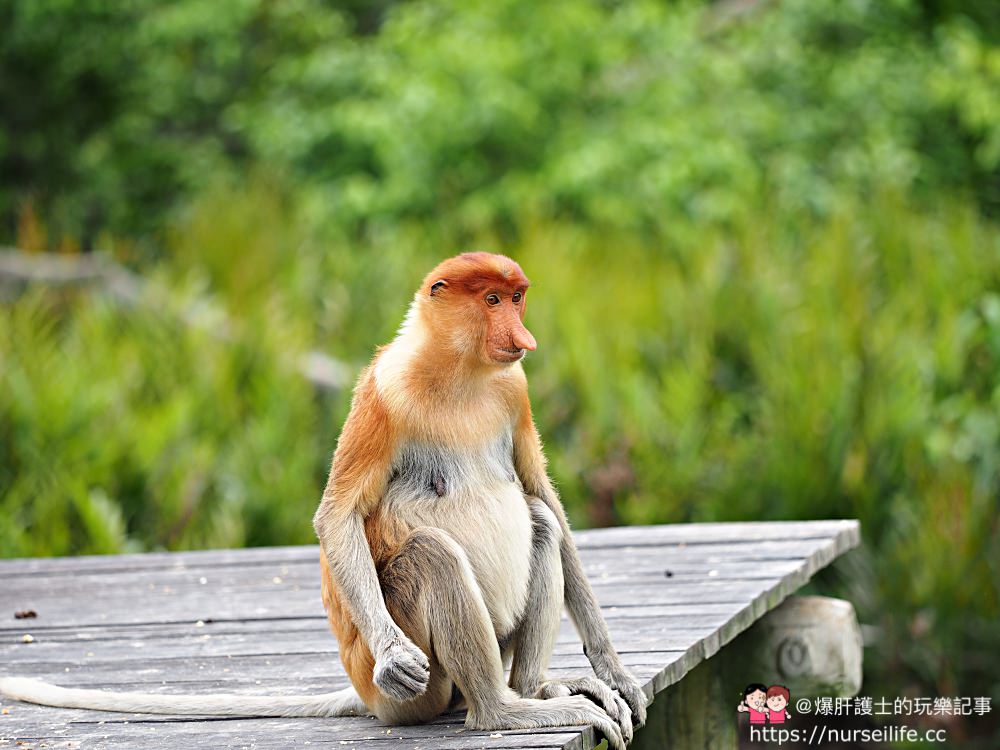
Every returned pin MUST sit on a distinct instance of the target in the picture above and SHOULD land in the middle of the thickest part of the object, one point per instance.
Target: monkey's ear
(437, 286)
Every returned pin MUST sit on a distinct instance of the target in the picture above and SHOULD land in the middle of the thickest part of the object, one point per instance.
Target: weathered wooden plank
(296, 676)
(252, 668)
(171, 607)
(129, 623)
(179, 660)
(304, 732)
(147, 589)
(713, 533)
(677, 616)
(671, 534)
(136, 607)
(226, 731)
(672, 615)
(602, 565)
(207, 641)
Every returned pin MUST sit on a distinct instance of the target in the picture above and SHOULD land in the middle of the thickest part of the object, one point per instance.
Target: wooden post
(810, 644)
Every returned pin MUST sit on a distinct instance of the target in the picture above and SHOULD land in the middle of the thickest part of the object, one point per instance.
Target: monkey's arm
(356, 484)
(529, 462)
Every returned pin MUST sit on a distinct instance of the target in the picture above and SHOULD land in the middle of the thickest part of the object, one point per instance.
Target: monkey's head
(473, 305)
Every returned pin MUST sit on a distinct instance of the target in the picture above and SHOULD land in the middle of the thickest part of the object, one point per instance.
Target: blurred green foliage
(764, 250)
(488, 114)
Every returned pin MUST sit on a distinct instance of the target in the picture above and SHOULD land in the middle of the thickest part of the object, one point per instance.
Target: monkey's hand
(401, 669)
(619, 678)
(598, 692)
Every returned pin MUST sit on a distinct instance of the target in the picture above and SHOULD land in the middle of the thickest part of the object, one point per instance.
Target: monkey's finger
(603, 724)
(412, 668)
(397, 684)
(620, 712)
(615, 707)
(596, 717)
(598, 692)
(414, 661)
(636, 700)
(408, 651)
(404, 655)
(416, 685)
(414, 671)
(624, 718)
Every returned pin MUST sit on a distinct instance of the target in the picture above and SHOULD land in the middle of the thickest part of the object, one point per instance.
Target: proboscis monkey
(445, 548)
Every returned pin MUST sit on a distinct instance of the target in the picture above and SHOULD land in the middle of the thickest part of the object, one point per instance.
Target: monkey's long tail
(342, 703)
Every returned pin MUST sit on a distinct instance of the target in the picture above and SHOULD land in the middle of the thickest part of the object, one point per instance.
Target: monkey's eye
(516, 298)
(492, 300)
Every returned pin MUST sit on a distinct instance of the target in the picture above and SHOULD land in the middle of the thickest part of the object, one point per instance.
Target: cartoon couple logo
(765, 704)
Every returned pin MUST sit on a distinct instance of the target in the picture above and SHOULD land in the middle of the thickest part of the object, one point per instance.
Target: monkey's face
(476, 304)
(506, 340)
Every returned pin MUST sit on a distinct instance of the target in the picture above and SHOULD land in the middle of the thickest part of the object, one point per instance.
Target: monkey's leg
(535, 639)
(431, 592)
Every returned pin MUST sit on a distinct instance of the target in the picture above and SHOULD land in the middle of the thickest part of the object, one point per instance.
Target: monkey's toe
(599, 693)
(632, 693)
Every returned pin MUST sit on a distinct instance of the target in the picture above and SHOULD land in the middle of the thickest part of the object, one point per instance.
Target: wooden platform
(251, 621)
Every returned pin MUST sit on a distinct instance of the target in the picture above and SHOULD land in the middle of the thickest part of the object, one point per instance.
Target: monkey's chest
(475, 497)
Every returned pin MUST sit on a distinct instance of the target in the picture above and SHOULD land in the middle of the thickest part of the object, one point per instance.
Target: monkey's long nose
(522, 339)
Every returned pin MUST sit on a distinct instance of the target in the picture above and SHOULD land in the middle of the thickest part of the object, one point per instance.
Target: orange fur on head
(473, 305)
(477, 272)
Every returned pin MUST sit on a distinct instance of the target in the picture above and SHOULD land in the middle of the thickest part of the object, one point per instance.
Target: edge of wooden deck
(826, 541)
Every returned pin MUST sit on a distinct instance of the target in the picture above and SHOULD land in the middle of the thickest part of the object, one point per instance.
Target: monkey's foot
(402, 670)
(598, 692)
(529, 713)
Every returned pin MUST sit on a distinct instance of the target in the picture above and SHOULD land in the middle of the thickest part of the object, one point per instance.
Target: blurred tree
(111, 114)
(488, 113)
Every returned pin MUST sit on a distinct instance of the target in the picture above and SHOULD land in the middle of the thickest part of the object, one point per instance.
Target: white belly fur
(488, 516)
